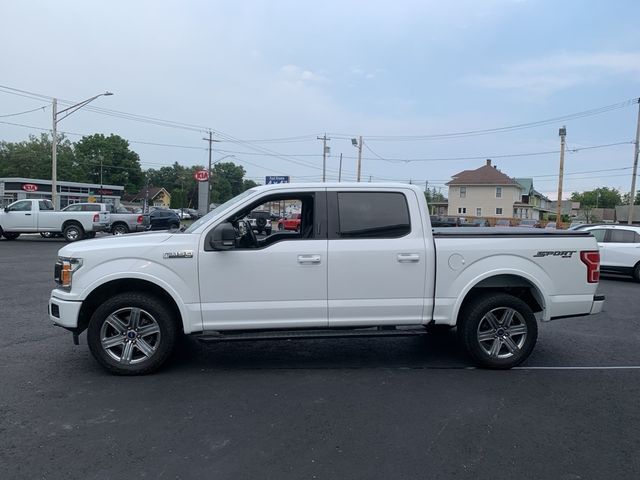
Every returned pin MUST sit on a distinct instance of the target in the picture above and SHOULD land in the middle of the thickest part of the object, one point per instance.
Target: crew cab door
(377, 258)
(281, 282)
(20, 217)
(622, 248)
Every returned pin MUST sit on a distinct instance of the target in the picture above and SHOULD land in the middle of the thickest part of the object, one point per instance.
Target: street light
(57, 117)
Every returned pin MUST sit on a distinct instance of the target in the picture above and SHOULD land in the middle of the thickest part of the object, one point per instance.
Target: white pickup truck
(33, 216)
(365, 262)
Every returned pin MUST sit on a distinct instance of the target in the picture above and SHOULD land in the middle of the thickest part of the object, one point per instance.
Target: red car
(290, 222)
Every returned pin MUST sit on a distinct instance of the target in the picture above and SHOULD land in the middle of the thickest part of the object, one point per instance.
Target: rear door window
(599, 234)
(373, 215)
(622, 236)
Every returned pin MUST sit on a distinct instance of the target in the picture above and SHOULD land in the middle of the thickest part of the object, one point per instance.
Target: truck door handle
(27, 214)
(408, 257)
(308, 259)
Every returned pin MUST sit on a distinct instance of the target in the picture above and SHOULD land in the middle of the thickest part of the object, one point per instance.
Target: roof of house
(142, 194)
(485, 175)
(526, 184)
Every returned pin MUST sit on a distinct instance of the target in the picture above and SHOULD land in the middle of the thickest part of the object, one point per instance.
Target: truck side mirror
(223, 237)
(7, 209)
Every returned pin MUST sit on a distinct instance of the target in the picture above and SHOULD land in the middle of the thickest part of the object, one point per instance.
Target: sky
(269, 77)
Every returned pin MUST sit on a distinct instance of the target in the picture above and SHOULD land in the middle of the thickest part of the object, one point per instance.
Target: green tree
(603, 197)
(120, 164)
(432, 195)
(636, 198)
(32, 159)
(228, 181)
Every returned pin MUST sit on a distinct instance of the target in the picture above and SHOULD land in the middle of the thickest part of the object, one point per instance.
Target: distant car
(529, 223)
(550, 226)
(437, 221)
(193, 213)
(260, 221)
(477, 222)
(164, 219)
(619, 248)
(290, 222)
(503, 222)
(182, 213)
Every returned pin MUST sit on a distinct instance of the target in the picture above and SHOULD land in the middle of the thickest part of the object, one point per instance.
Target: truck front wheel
(10, 235)
(132, 334)
(497, 330)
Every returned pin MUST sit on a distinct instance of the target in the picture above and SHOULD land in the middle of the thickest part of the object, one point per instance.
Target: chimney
(488, 162)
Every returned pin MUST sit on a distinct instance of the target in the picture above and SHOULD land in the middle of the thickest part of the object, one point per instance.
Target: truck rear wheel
(120, 229)
(497, 330)
(73, 232)
(132, 334)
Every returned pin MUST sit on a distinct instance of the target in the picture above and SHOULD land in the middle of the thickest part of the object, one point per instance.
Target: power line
(487, 131)
(22, 113)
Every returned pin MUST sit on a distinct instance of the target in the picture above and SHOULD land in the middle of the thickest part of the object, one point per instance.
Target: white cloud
(549, 74)
(295, 74)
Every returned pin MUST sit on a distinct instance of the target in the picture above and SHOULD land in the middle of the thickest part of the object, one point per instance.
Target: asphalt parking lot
(399, 408)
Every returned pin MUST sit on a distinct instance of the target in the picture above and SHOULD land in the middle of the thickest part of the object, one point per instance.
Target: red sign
(201, 175)
(29, 187)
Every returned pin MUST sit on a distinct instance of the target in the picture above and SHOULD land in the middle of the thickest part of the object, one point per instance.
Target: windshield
(217, 210)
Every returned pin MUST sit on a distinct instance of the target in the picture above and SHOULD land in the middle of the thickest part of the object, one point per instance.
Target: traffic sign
(269, 179)
(201, 175)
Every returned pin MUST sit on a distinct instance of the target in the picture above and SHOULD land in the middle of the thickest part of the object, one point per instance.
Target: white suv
(619, 248)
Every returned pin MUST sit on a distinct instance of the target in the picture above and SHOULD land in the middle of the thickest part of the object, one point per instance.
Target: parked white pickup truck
(32, 216)
(365, 262)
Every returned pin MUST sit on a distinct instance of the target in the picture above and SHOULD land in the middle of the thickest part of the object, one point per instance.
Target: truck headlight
(64, 269)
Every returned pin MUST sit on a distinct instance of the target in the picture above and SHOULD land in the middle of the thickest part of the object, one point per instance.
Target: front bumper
(597, 305)
(64, 313)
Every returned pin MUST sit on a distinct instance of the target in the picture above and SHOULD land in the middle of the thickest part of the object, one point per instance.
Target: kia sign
(276, 179)
(30, 187)
(201, 175)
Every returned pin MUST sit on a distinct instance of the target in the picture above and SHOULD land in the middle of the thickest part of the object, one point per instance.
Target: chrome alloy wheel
(130, 335)
(502, 332)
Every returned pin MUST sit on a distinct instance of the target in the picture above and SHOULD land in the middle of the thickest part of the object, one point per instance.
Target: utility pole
(359, 157)
(101, 185)
(340, 170)
(324, 156)
(210, 140)
(636, 148)
(563, 134)
(54, 155)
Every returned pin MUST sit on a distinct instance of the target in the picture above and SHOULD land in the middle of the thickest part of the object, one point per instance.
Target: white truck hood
(115, 243)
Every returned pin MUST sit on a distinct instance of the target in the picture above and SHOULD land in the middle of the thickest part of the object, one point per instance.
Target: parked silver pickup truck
(122, 220)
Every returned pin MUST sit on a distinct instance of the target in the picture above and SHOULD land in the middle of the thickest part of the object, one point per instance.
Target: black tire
(280, 226)
(522, 333)
(267, 231)
(163, 341)
(10, 235)
(73, 232)
(636, 272)
(120, 229)
(174, 226)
